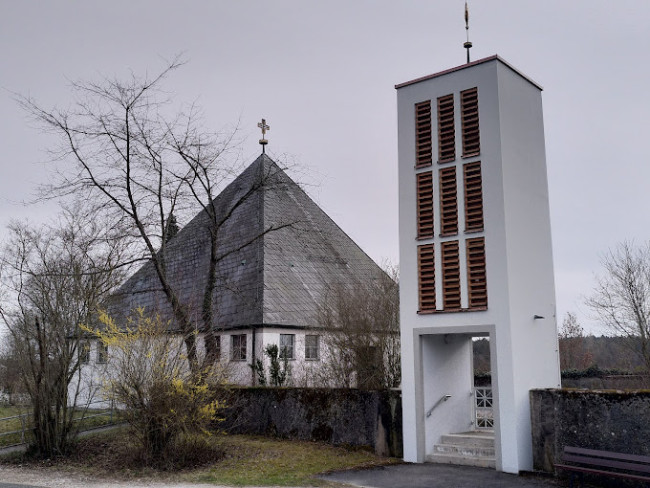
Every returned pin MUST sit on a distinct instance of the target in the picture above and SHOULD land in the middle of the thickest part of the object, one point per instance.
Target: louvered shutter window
(446, 130)
(426, 278)
(476, 275)
(424, 182)
(473, 197)
(450, 275)
(469, 122)
(448, 202)
(423, 154)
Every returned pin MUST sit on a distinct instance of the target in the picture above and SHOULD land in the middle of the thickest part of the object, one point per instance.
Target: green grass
(262, 461)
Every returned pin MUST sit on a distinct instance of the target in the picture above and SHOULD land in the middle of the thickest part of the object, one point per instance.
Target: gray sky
(323, 75)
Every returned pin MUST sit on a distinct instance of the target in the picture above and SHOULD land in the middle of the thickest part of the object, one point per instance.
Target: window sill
(425, 238)
(474, 231)
(471, 155)
(456, 310)
(446, 161)
(423, 165)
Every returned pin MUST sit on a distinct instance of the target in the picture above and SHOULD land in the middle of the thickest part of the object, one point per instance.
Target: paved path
(437, 476)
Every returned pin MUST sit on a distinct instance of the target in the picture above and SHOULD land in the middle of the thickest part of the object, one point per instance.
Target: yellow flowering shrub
(149, 378)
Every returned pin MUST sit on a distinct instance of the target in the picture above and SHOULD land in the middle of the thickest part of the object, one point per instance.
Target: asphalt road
(430, 475)
(14, 485)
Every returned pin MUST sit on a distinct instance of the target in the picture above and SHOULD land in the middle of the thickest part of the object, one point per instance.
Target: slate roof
(277, 280)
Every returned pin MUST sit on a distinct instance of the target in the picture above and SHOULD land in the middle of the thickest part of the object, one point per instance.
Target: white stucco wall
(519, 263)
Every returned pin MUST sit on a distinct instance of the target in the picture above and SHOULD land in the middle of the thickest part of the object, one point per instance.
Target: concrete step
(474, 439)
(475, 448)
(467, 451)
(481, 462)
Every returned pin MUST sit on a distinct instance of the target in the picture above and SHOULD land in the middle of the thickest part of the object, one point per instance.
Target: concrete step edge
(467, 440)
(484, 462)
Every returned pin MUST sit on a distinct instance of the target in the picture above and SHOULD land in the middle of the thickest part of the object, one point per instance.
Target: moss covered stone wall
(336, 416)
(609, 420)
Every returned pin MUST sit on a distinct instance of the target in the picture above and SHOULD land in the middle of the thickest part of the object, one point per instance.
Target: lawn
(261, 461)
(233, 460)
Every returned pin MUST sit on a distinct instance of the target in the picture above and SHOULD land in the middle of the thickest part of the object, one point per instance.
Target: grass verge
(262, 461)
(233, 460)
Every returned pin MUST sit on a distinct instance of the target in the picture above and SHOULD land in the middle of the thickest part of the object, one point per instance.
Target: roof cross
(262, 125)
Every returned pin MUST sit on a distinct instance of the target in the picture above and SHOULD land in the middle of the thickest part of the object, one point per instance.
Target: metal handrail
(442, 399)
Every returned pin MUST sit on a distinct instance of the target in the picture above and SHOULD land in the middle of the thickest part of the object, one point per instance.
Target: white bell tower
(475, 254)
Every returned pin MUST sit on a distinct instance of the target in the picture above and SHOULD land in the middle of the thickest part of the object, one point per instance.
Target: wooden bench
(605, 463)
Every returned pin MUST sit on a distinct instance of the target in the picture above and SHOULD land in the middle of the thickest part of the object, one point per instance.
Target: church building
(280, 254)
(475, 261)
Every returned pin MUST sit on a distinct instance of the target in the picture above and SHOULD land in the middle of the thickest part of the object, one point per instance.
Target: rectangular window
(476, 275)
(469, 122)
(426, 278)
(217, 347)
(238, 347)
(424, 190)
(312, 347)
(450, 275)
(446, 130)
(448, 202)
(287, 342)
(473, 197)
(84, 352)
(423, 151)
(102, 352)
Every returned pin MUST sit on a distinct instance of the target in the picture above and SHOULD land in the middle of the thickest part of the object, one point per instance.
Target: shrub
(149, 377)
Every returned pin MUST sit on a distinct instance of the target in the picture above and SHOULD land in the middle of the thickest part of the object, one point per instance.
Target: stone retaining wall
(341, 416)
(608, 420)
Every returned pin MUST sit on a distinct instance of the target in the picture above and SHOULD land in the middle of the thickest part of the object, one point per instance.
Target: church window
(287, 342)
(473, 197)
(448, 202)
(476, 275)
(423, 151)
(426, 278)
(450, 275)
(312, 347)
(217, 347)
(469, 122)
(84, 352)
(424, 182)
(238, 347)
(446, 130)
(102, 352)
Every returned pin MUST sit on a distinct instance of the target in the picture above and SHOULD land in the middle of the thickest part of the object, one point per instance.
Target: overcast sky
(323, 75)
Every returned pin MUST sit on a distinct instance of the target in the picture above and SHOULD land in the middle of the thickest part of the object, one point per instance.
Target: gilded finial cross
(263, 125)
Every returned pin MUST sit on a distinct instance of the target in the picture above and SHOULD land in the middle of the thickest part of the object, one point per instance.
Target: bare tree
(143, 167)
(10, 384)
(573, 353)
(53, 279)
(621, 298)
(362, 345)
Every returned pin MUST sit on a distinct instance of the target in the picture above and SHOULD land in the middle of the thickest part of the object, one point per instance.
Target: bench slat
(569, 467)
(609, 463)
(607, 454)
